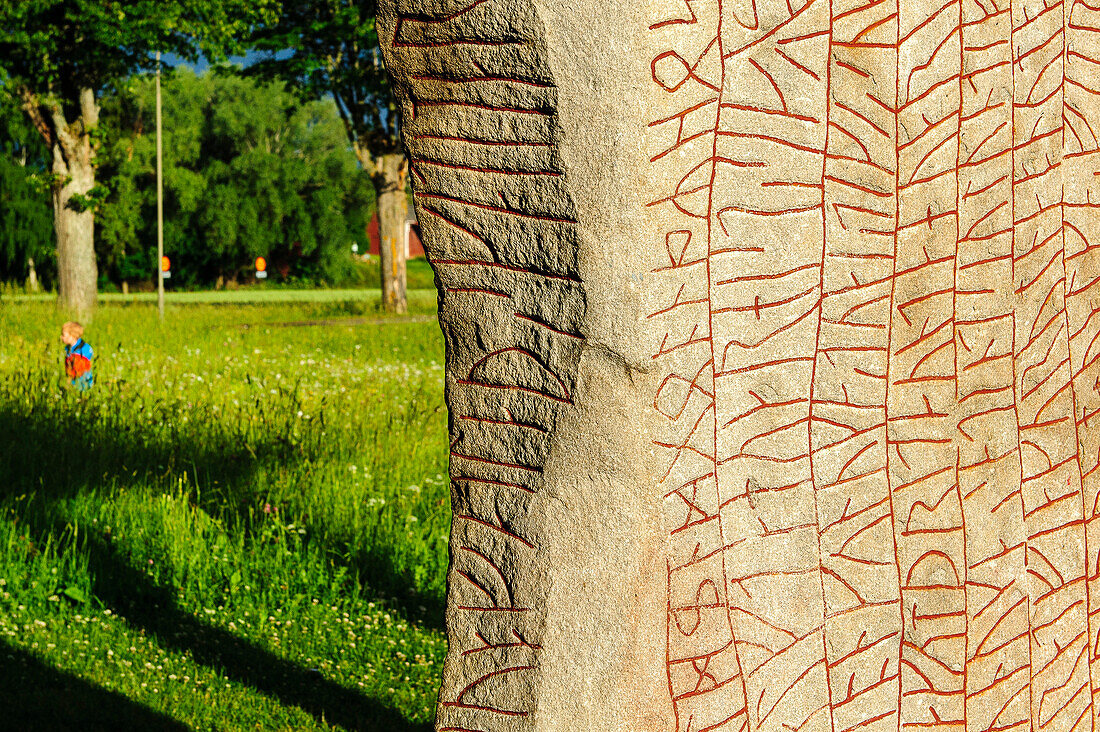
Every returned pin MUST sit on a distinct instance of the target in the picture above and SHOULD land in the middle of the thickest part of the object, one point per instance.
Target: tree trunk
(74, 227)
(390, 176)
(73, 168)
(32, 275)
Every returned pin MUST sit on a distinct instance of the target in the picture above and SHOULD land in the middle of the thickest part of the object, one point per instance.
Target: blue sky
(202, 64)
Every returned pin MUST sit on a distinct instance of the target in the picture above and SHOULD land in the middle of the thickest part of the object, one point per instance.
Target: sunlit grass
(243, 525)
(419, 299)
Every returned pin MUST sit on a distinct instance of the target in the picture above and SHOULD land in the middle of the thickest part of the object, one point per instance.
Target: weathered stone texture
(773, 359)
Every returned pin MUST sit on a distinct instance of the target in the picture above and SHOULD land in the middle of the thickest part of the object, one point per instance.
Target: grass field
(365, 300)
(420, 280)
(242, 526)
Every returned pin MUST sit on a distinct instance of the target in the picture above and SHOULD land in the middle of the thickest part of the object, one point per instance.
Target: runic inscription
(479, 126)
(870, 301)
(880, 364)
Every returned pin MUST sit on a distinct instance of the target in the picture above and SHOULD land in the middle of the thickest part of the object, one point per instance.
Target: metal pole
(160, 206)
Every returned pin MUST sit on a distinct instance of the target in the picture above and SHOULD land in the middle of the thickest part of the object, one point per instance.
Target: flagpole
(160, 206)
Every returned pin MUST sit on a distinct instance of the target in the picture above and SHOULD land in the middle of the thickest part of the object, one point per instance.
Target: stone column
(773, 359)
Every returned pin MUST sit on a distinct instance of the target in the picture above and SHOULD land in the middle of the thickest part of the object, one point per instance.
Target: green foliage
(249, 170)
(54, 48)
(57, 56)
(90, 201)
(330, 47)
(26, 224)
(212, 533)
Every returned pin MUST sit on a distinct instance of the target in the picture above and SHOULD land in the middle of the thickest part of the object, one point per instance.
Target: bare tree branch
(89, 110)
(33, 109)
(65, 139)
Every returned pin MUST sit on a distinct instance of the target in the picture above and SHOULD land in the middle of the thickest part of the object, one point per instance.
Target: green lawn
(367, 297)
(242, 526)
(364, 288)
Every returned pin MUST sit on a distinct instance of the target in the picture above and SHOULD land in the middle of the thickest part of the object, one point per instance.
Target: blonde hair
(73, 328)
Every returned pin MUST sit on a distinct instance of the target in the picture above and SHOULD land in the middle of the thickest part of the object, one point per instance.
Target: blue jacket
(78, 364)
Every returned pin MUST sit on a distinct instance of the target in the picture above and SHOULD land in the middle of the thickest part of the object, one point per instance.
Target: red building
(413, 247)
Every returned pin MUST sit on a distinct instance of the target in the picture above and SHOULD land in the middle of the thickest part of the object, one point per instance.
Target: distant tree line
(27, 253)
(258, 167)
(249, 170)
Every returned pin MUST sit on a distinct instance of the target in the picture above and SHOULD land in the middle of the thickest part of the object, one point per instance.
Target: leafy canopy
(55, 48)
(330, 47)
(249, 170)
(26, 223)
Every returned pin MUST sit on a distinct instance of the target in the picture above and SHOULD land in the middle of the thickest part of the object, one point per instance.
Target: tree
(249, 170)
(59, 56)
(330, 47)
(26, 239)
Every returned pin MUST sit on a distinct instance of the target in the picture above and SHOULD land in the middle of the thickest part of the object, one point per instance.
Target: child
(78, 356)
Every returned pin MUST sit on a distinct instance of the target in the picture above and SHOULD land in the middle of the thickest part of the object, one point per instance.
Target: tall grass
(241, 525)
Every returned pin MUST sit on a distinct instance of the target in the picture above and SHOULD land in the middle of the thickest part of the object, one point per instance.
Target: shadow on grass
(150, 607)
(37, 697)
(54, 459)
